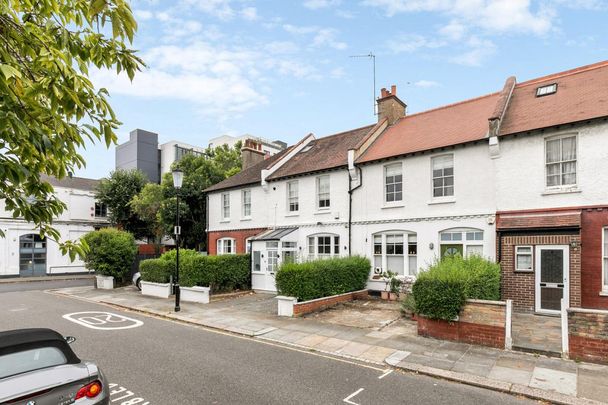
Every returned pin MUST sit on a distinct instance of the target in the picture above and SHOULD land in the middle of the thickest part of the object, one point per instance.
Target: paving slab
(592, 382)
(512, 375)
(377, 353)
(430, 361)
(311, 340)
(517, 363)
(481, 370)
(332, 344)
(554, 380)
(354, 349)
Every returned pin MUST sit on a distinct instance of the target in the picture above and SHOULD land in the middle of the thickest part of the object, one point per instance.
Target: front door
(552, 269)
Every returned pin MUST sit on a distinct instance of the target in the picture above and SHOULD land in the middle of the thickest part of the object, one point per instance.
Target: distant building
(142, 151)
(269, 148)
(24, 253)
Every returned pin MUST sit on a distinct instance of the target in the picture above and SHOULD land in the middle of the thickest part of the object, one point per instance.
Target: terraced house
(516, 176)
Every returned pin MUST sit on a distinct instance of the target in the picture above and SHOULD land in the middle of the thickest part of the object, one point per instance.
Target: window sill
(321, 212)
(293, 214)
(604, 293)
(246, 219)
(524, 271)
(565, 190)
(223, 221)
(435, 201)
(388, 206)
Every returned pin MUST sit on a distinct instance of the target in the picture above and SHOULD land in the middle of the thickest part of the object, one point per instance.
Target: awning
(275, 234)
(539, 220)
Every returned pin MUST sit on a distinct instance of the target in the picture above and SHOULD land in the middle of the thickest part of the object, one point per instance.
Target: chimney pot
(390, 106)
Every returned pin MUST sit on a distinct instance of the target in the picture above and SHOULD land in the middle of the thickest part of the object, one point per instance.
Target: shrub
(111, 252)
(221, 273)
(156, 270)
(323, 278)
(441, 291)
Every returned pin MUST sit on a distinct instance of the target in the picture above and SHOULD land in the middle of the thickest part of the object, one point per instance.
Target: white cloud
(317, 4)
(412, 43)
(495, 16)
(345, 14)
(337, 73)
(281, 47)
(321, 36)
(143, 15)
(478, 51)
(454, 31)
(426, 83)
(249, 13)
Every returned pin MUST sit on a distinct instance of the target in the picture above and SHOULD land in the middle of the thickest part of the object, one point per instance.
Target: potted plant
(395, 284)
(110, 253)
(387, 276)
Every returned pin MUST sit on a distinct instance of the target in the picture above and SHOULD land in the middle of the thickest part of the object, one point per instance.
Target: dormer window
(546, 90)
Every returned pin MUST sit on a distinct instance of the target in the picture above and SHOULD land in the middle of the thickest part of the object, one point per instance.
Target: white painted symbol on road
(121, 393)
(103, 320)
(351, 396)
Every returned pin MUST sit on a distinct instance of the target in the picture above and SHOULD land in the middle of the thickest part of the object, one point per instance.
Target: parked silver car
(38, 367)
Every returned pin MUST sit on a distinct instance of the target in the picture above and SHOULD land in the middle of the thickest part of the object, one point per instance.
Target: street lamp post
(178, 177)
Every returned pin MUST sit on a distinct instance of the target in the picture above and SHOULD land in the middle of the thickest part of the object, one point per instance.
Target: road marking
(385, 374)
(102, 320)
(121, 393)
(354, 394)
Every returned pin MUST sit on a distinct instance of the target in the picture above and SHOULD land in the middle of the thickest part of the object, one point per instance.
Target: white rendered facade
(23, 254)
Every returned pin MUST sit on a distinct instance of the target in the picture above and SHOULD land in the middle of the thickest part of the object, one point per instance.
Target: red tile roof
(326, 153)
(444, 126)
(582, 94)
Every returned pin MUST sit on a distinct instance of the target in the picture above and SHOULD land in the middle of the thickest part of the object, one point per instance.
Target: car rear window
(29, 360)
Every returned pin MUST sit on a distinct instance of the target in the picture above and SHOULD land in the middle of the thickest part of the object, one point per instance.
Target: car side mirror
(70, 339)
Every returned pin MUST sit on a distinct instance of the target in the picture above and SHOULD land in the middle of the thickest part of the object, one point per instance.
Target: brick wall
(306, 307)
(239, 235)
(520, 286)
(593, 221)
(588, 335)
(479, 322)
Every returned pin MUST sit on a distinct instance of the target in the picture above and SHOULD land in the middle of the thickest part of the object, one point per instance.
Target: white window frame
(531, 254)
(328, 192)
(604, 261)
(246, 204)
(464, 241)
(561, 162)
(407, 241)
(221, 246)
(225, 206)
(443, 177)
(314, 254)
(395, 183)
(293, 199)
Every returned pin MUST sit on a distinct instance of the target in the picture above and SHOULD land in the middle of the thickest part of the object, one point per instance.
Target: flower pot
(160, 290)
(393, 296)
(384, 295)
(105, 282)
(196, 294)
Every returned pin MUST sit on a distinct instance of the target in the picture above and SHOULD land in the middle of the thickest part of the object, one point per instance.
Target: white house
(22, 251)
(512, 175)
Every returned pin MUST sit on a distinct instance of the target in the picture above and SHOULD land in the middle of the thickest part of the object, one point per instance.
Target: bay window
(395, 251)
(323, 246)
(226, 246)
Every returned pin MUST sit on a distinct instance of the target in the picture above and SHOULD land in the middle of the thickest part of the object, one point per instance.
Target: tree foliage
(117, 192)
(111, 253)
(48, 106)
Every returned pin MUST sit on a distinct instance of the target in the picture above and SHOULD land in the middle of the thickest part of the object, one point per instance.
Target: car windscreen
(29, 360)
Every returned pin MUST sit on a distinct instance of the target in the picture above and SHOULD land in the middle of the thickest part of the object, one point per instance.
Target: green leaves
(48, 106)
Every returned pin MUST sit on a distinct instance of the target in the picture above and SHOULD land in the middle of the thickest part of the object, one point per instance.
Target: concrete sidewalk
(7, 280)
(539, 377)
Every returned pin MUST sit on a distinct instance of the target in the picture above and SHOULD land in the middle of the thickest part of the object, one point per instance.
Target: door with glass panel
(272, 264)
(32, 255)
(552, 269)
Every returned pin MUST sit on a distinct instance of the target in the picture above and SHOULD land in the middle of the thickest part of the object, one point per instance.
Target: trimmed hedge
(323, 278)
(440, 292)
(221, 273)
(111, 253)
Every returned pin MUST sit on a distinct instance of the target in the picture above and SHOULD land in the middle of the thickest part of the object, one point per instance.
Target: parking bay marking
(101, 320)
(121, 393)
(351, 396)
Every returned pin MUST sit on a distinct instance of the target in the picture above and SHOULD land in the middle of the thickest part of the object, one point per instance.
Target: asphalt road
(44, 285)
(163, 362)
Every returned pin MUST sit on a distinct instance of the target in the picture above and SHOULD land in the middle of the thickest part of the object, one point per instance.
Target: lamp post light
(178, 177)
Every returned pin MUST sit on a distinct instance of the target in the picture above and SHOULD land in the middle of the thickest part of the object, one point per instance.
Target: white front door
(552, 270)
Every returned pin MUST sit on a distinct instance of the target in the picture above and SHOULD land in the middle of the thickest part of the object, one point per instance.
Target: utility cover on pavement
(103, 320)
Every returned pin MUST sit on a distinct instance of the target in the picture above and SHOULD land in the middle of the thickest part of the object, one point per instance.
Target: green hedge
(323, 278)
(221, 273)
(441, 291)
(111, 253)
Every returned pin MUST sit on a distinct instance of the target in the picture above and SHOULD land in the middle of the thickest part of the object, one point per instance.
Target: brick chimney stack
(251, 153)
(390, 106)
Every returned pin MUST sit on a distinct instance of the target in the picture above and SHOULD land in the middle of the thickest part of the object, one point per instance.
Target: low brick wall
(306, 307)
(588, 335)
(479, 323)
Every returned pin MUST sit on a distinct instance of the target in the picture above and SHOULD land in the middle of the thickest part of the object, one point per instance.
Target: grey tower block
(140, 152)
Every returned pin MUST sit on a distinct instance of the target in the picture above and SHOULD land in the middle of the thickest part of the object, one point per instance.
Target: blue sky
(282, 69)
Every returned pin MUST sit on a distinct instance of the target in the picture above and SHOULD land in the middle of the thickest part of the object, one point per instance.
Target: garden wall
(588, 335)
(479, 322)
(306, 307)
